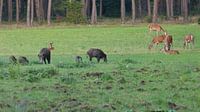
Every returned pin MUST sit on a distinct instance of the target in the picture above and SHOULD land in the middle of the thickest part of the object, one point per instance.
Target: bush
(148, 19)
(68, 79)
(199, 21)
(27, 74)
(74, 14)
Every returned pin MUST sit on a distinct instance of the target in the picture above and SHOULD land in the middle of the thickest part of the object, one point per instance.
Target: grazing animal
(12, 59)
(98, 53)
(188, 39)
(160, 39)
(23, 60)
(155, 27)
(78, 59)
(169, 51)
(45, 54)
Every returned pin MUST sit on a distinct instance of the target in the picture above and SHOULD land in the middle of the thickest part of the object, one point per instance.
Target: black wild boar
(98, 53)
(45, 54)
(12, 59)
(23, 60)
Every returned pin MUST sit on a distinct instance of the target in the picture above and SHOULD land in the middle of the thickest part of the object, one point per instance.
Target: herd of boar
(45, 56)
(168, 40)
(45, 53)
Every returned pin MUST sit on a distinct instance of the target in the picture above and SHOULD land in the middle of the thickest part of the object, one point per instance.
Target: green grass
(133, 80)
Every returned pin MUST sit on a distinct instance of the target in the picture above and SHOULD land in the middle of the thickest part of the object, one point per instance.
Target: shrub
(199, 21)
(27, 74)
(74, 14)
(67, 79)
(148, 19)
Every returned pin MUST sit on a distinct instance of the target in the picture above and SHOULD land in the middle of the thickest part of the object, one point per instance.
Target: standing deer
(155, 27)
(188, 39)
(167, 39)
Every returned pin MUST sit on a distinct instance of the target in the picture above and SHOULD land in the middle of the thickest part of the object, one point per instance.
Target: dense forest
(90, 11)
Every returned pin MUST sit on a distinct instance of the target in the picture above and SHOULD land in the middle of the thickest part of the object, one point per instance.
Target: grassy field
(133, 80)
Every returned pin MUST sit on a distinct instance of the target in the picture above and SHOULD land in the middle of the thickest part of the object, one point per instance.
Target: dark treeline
(89, 11)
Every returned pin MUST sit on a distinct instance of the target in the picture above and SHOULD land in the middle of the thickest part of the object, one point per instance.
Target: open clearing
(133, 80)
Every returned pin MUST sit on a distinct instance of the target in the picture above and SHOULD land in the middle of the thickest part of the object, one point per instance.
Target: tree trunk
(123, 11)
(17, 11)
(185, 8)
(100, 8)
(168, 8)
(37, 9)
(155, 11)
(88, 6)
(149, 7)
(94, 13)
(9, 10)
(41, 10)
(28, 13)
(140, 7)
(1, 10)
(32, 11)
(172, 8)
(49, 13)
(133, 11)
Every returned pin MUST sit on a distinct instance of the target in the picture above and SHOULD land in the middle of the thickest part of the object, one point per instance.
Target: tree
(37, 9)
(149, 7)
(9, 10)
(1, 10)
(185, 9)
(94, 13)
(168, 8)
(100, 8)
(172, 7)
(84, 8)
(133, 11)
(123, 11)
(32, 11)
(28, 12)
(155, 11)
(49, 13)
(17, 11)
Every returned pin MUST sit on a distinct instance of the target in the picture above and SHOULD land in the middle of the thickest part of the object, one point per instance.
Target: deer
(167, 39)
(187, 40)
(155, 27)
(166, 51)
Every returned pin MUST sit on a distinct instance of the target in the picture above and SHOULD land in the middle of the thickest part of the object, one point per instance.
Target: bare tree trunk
(37, 9)
(32, 11)
(1, 10)
(185, 8)
(133, 11)
(140, 7)
(9, 10)
(94, 12)
(172, 8)
(49, 13)
(168, 8)
(28, 13)
(123, 11)
(149, 7)
(17, 11)
(88, 5)
(41, 10)
(100, 8)
(155, 11)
